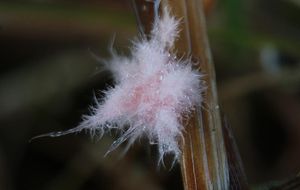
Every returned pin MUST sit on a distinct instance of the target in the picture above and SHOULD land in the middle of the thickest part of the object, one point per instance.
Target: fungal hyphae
(153, 92)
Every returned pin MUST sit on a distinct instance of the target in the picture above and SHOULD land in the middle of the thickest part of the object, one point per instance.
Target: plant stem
(204, 162)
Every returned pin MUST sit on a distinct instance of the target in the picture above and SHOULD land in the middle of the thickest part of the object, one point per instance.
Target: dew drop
(161, 77)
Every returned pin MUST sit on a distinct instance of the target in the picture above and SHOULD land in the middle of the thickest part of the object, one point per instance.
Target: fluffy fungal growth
(153, 91)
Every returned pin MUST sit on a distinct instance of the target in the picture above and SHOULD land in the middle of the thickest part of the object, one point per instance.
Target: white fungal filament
(152, 92)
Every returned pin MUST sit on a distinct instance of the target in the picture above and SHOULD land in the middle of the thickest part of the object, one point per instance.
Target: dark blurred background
(48, 75)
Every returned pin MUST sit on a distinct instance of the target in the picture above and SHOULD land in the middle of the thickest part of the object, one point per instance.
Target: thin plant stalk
(204, 163)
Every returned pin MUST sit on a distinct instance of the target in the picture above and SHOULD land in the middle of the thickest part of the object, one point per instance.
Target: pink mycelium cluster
(153, 91)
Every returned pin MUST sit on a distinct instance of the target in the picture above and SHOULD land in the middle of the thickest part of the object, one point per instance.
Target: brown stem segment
(204, 162)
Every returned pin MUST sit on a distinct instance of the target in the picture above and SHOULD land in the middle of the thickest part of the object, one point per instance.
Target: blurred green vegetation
(48, 75)
(83, 14)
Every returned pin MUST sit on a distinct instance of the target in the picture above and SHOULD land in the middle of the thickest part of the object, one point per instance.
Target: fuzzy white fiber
(153, 91)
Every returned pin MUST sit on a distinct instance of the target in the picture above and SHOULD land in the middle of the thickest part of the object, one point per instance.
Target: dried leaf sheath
(204, 164)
